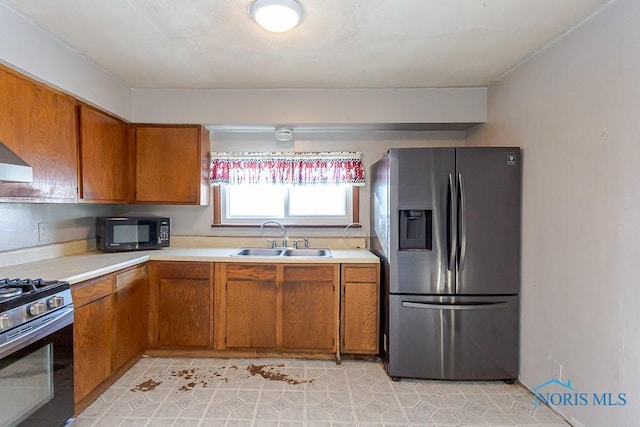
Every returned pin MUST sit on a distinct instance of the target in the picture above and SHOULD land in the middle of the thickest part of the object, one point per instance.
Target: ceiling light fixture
(276, 16)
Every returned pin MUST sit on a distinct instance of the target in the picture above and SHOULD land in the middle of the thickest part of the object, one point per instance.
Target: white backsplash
(38, 253)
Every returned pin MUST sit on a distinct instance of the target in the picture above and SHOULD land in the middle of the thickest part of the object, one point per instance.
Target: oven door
(36, 374)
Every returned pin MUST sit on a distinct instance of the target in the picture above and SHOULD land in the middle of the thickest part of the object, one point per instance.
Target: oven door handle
(59, 320)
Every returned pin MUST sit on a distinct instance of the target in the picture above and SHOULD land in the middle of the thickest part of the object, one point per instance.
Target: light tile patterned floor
(278, 392)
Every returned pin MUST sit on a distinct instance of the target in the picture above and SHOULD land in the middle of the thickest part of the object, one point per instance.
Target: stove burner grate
(10, 292)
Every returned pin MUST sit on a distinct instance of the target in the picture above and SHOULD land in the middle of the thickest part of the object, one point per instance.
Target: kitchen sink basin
(266, 252)
(307, 252)
(282, 252)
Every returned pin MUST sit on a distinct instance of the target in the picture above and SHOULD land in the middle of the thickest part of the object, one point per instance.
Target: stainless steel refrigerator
(446, 223)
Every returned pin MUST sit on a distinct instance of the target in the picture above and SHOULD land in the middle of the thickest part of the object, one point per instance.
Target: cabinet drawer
(306, 273)
(366, 274)
(131, 276)
(254, 272)
(184, 270)
(92, 290)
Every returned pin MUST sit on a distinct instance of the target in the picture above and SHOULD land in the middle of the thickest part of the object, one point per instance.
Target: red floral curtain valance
(287, 168)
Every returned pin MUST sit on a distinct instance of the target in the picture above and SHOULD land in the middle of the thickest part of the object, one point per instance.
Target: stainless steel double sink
(282, 252)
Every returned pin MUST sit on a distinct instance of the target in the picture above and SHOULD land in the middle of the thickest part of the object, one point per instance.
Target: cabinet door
(106, 163)
(39, 125)
(92, 345)
(131, 315)
(180, 304)
(251, 314)
(249, 306)
(309, 307)
(360, 300)
(184, 317)
(172, 164)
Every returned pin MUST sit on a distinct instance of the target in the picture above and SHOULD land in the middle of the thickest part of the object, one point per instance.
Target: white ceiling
(340, 43)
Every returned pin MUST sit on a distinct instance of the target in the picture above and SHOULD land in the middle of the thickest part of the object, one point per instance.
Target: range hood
(12, 167)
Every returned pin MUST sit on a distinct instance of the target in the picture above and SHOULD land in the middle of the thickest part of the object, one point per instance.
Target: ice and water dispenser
(415, 230)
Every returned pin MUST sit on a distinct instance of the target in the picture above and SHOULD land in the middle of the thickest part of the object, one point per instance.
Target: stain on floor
(270, 373)
(203, 377)
(147, 385)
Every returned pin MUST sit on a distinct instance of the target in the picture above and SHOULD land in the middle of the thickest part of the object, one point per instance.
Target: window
(292, 205)
(293, 188)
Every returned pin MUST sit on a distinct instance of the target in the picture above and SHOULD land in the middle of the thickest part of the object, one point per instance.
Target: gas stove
(36, 353)
(26, 300)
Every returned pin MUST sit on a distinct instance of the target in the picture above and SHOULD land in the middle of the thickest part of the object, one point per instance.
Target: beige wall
(574, 110)
(311, 106)
(19, 223)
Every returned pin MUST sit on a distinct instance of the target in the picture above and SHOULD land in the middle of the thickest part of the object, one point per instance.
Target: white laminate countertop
(85, 266)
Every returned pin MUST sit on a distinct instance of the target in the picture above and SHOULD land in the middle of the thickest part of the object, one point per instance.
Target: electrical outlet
(556, 370)
(43, 231)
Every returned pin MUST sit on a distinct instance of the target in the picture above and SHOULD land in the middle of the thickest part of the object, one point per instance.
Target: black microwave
(117, 234)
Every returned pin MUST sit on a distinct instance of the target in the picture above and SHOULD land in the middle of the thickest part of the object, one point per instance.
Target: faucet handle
(296, 243)
(306, 243)
(272, 242)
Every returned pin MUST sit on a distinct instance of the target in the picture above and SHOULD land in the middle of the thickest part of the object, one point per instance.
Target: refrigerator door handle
(463, 223)
(452, 225)
(482, 306)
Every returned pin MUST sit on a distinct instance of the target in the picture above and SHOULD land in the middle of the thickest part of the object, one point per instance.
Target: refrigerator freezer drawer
(453, 338)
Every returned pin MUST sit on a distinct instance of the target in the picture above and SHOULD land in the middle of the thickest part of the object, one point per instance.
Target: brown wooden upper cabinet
(172, 164)
(105, 166)
(39, 125)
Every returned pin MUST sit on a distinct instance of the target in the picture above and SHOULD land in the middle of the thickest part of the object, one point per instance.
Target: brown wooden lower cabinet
(131, 314)
(248, 304)
(110, 329)
(310, 307)
(180, 304)
(277, 307)
(251, 314)
(92, 335)
(360, 308)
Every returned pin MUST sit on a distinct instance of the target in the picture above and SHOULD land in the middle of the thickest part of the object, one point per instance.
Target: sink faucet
(296, 243)
(284, 231)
